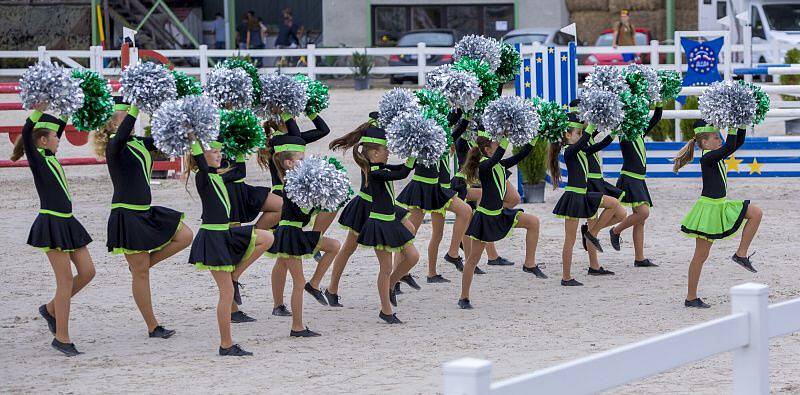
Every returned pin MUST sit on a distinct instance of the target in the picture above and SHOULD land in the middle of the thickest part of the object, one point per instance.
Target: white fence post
(654, 60)
(751, 363)
(467, 376)
(203, 64)
(93, 58)
(99, 63)
(422, 59)
(43, 54)
(311, 61)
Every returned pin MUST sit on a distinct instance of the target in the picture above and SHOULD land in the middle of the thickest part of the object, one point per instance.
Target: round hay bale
(635, 5)
(587, 5)
(686, 5)
(686, 19)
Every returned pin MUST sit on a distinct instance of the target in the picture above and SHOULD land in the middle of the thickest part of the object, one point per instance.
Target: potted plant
(361, 66)
(792, 57)
(533, 169)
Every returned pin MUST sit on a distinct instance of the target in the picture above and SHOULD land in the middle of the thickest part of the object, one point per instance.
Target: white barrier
(746, 332)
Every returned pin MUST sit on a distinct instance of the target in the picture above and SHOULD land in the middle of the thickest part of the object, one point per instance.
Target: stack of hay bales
(647, 14)
(594, 16)
(591, 18)
(685, 15)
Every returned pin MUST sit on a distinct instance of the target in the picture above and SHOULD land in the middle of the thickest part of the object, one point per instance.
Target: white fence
(746, 332)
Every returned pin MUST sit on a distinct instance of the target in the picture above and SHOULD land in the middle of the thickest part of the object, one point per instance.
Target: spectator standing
(218, 26)
(287, 33)
(254, 35)
(241, 32)
(624, 34)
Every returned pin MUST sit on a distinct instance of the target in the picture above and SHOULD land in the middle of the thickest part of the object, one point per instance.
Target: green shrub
(665, 129)
(534, 166)
(792, 57)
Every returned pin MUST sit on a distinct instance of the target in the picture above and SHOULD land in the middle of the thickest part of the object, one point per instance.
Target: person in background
(264, 31)
(624, 34)
(287, 33)
(218, 26)
(241, 32)
(254, 35)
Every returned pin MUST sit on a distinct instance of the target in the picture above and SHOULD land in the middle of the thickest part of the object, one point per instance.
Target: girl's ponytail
(685, 155)
(553, 165)
(19, 148)
(349, 140)
(470, 167)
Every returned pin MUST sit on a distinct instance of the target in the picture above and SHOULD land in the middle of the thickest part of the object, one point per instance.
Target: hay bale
(587, 5)
(635, 5)
(686, 5)
(686, 19)
(590, 24)
(655, 21)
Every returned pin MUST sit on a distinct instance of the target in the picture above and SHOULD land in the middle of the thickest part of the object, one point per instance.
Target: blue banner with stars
(549, 73)
(703, 63)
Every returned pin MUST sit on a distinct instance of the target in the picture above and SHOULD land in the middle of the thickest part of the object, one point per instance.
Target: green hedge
(534, 166)
(665, 129)
(792, 57)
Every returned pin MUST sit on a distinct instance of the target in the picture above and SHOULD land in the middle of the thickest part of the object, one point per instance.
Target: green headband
(215, 145)
(373, 122)
(122, 107)
(373, 140)
(47, 125)
(576, 125)
(705, 129)
(572, 109)
(290, 148)
(483, 133)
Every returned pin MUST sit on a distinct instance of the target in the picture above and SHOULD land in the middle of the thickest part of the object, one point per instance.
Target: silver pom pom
(284, 93)
(727, 105)
(607, 78)
(48, 83)
(512, 117)
(461, 89)
(314, 183)
(176, 120)
(395, 102)
(433, 78)
(601, 108)
(147, 85)
(410, 134)
(653, 81)
(484, 49)
(230, 88)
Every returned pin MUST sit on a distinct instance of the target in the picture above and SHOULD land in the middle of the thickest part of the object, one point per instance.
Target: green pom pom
(339, 166)
(435, 107)
(187, 86)
(637, 83)
(245, 64)
(671, 82)
(240, 132)
(98, 105)
(637, 111)
(552, 119)
(762, 101)
(486, 79)
(317, 94)
(510, 61)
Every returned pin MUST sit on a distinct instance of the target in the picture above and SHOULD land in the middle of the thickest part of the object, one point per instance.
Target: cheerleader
(247, 201)
(577, 202)
(714, 216)
(426, 194)
(293, 244)
(631, 181)
(492, 221)
(224, 251)
(144, 234)
(55, 230)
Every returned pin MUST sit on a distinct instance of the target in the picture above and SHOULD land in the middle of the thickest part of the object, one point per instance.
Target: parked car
(431, 38)
(542, 36)
(606, 39)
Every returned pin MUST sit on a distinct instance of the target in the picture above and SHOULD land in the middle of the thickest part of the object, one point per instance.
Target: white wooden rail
(745, 332)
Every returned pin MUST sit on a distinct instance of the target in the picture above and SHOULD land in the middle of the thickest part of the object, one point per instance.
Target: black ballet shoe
(594, 240)
(464, 304)
(317, 294)
(499, 261)
(234, 351)
(393, 297)
(600, 272)
(161, 332)
(408, 279)
(584, 231)
(333, 299)
(67, 349)
(437, 279)
(318, 256)
(389, 318)
(696, 303)
(458, 262)
(536, 271)
(478, 270)
(238, 317)
(397, 289)
(616, 241)
(51, 321)
(281, 311)
(644, 263)
(744, 262)
(237, 296)
(304, 333)
(571, 283)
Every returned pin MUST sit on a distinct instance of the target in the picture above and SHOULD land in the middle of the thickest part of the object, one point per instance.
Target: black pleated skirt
(636, 193)
(385, 235)
(356, 213)
(575, 205)
(459, 185)
(222, 249)
(294, 242)
(491, 228)
(50, 232)
(246, 201)
(134, 231)
(602, 186)
(430, 198)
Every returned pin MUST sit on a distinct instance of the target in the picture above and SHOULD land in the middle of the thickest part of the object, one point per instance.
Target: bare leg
(639, 215)
(609, 206)
(410, 258)
(225, 285)
(594, 263)
(84, 267)
(330, 247)
(264, 241)
(278, 282)
(701, 250)
(181, 240)
(61, 302)
(339, 263)
(437, 232)
(298, 282)
(570, 229)
(384, 272)
(139, 265)
(271, 212)
(469, 267)
(753, 217)
(491, 251)
(463, 216)
(412, 224)
(530, 223)
(323, 221)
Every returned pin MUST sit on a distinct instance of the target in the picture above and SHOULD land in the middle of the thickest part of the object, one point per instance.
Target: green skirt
(714, 219)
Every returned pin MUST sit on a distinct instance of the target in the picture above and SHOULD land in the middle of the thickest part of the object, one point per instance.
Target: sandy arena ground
(520, 323)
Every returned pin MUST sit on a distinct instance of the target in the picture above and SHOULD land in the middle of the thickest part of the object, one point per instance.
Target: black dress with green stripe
(384, 230)
(634, 168)
(424, 192)
(714, 216)
(596, 183)
(247, 200)
(55, 228)
(134, 225)
(321, 130)
(577, 202)
(291, 241)
(356, 212)
(491, 221)
(459, 183)
(217, 246)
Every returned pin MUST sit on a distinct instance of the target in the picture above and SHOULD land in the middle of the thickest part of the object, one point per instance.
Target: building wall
(348, 21)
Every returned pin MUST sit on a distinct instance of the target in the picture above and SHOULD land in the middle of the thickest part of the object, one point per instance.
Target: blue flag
(703, 62)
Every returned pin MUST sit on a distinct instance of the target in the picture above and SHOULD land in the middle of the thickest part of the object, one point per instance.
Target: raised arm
(599, 146)
(512, 160)
(740, 137)
(460, 128)
(724, 151)
(197, 153)
(238, 170)
(655, 119)
(580, 145)
(393, 175)
(117, 143)
(27, 136)
(321, 130)
(498, 155)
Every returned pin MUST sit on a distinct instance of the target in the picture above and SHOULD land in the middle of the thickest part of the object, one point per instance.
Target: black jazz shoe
(571, 283)
(696, 303)
(437, 279)
(161, 332)
(644, 263)
(234, 351)
(389, 318)
(51, 321)
(616, 241)
(67, 349)
(237, 296)
(238, 317)
(465, 304)
(744, 262)
(304, 333)
(281, 311)
(534, 270)
(317, 294)
(408, 279)
(333, 299)
(600, 272)
(458, 262)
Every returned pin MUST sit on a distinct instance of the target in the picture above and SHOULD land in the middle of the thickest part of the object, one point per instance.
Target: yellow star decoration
(755, 167)
(732, 164)
(527, 84)
(564, 58)
(527, 68)
(550, 50)
(538, 60)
